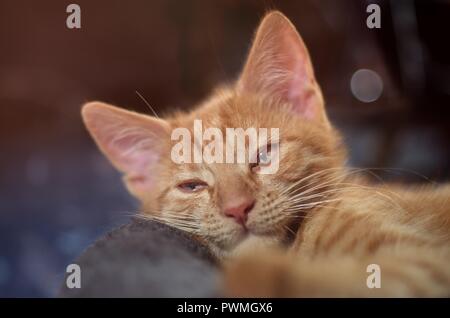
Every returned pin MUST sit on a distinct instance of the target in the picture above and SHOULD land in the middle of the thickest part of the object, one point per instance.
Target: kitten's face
(231, 204)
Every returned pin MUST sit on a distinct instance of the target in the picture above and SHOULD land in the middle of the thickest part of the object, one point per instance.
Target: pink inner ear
(279, 65)
(297, 87)
(135, 154)
(302, 95)
(132, 142)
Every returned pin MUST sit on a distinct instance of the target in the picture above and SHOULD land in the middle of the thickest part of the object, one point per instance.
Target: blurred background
(387, 89)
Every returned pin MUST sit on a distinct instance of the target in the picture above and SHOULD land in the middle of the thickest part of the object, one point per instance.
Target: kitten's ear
(132, 142)
(279, 65)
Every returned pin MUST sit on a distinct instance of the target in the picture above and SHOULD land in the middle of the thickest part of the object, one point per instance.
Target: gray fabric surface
(145, 259)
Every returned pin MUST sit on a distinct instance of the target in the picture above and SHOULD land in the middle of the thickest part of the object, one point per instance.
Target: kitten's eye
(263, 158)
(192, 186)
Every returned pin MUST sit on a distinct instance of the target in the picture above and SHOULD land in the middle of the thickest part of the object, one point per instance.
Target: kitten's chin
(249, 244)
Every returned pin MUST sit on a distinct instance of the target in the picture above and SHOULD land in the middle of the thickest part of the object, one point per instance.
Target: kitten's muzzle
(239, 212)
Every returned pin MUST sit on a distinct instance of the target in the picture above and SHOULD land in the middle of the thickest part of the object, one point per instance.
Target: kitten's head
(227, 204)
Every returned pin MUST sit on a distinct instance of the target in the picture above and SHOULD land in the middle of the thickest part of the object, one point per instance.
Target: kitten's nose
(240, 210)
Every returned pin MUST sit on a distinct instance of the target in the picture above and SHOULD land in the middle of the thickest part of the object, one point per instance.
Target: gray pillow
(146, 259)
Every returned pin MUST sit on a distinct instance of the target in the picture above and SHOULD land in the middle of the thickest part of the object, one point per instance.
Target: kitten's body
(310, 229)
(407, 238)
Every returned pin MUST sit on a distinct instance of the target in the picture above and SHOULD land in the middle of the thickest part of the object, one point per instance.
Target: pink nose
(240, 211)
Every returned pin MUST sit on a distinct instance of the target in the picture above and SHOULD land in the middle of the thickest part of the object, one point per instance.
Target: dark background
(57, 193)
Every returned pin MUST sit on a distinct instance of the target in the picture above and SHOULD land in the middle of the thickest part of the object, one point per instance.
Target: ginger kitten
(309, 229)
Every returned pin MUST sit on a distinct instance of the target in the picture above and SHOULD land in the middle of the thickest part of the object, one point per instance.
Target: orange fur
(316, 224)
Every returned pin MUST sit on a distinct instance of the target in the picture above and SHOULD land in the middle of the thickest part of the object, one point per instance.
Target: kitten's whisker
(329, 192)
(373, 190)
(345, 173)
(318, 173)
(302, 194)
(180, 218)
(297, 205)
(187, 227)
(326, 193)
(331, 179)
(147, 103)
(175, 218)
(312, 187)
(298, 182)
(288, 229)
(294, 212)
(174, 223)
